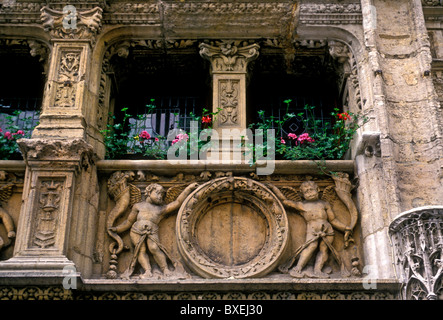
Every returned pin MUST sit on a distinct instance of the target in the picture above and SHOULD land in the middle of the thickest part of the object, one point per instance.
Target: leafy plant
(262, 147)
(322, 142)
(197, 144)
(319, 141)
(12, 132)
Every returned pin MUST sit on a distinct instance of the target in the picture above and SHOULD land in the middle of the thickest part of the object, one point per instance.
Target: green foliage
(119, 140)
(328, 141)
(8, 137)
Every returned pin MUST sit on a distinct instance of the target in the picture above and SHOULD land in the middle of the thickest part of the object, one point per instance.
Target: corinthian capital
(229, 56)
(70, 23)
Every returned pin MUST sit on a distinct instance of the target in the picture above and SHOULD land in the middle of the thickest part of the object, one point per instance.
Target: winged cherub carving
(320, 224)
(143, 220)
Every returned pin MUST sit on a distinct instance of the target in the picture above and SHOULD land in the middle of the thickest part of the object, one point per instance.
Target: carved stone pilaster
(417, 237)
(53, 168)
(229, 66)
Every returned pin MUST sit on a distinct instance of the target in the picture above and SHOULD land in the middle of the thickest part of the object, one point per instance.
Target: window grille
(28, 113)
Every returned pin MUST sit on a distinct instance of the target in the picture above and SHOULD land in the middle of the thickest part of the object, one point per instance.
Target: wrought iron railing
(21, 113)
(277, 108)
(169, 113)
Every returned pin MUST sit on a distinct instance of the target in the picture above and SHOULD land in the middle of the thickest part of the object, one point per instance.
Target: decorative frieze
(417, 238)
(58, 293)
(228, 226)
(330, 13)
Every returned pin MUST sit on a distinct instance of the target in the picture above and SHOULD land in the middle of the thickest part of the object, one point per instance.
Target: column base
(49, 269)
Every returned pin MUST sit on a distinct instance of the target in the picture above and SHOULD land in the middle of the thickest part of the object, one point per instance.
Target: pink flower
(156, 139)
(8, 135)
(175, 141)
(292, 136)
(305, 138)
(1, 130)
(282, 141)
(144, 135)
(20, 132)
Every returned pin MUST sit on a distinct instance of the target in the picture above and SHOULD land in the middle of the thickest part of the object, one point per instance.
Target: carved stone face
(156, 195)
(310, 191)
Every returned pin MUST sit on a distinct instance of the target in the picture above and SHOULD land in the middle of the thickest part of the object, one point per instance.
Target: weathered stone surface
(61, 208)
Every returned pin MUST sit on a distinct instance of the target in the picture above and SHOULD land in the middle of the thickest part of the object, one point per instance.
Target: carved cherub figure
(5, 194)
(143, 220)
(320, 221)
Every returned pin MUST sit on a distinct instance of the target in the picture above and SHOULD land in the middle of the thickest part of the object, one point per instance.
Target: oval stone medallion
(232, 227)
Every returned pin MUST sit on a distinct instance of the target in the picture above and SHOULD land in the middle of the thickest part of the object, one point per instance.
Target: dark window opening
(21, 88)
(178, 84)
(306, 79)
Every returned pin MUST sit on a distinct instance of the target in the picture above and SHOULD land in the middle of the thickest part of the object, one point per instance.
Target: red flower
(206, 119)
(344, 116)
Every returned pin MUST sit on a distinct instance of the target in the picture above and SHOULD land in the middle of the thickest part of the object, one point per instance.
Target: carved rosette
(221, 207)
(417, 237)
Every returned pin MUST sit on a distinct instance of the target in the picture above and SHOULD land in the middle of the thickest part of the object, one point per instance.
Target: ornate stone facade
(364, 227)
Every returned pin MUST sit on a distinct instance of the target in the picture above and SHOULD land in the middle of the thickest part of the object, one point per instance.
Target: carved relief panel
(217, 225)
(67, 78)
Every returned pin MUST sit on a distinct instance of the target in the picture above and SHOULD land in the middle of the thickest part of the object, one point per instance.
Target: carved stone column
(229, 62)
(66, 107)
(53, 168)
(59, 199)
(417, 237)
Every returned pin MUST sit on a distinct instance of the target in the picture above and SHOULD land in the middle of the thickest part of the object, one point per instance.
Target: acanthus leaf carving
(229, 55)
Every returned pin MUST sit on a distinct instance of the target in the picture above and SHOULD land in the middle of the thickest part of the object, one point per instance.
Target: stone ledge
(168, 167)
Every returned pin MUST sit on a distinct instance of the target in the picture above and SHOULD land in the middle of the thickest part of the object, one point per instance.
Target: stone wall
(78, 211)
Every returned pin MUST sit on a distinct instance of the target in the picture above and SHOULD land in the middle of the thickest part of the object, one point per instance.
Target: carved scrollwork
(86, 24)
